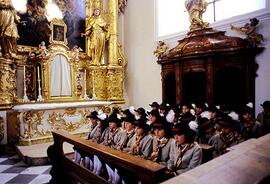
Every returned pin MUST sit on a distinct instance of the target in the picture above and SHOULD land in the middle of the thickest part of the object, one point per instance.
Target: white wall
(143, 80)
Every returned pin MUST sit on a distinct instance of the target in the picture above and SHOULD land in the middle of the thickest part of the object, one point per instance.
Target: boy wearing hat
(185, 153)
(128, 133)
(140, 113)
(249, 127)
(142, 142)
(154, 105)
(92, 119)
(161, 142)
(226, 138)
(264, 116)
(112, 135)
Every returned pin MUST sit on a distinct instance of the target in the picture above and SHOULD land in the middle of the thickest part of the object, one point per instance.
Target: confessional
(208, 66)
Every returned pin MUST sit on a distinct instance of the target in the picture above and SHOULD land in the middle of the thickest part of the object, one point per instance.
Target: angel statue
(249, 29)
(8, 29)
(161, 49)
(97, 30)
(43, 52)
(76, 52)
(195, 9)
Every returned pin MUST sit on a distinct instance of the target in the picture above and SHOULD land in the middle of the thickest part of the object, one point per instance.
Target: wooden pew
(245, 163)
(65, 170)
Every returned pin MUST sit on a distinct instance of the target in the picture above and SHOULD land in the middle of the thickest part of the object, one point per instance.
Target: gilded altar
(35, 122)
(56, 71)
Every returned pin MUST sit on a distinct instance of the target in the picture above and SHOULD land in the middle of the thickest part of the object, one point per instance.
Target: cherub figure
(249, 29)
(76, 52)
(161, 49)
(43, 52)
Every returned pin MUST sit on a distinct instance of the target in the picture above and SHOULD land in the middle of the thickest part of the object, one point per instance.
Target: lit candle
(38, 72)
(85, 79)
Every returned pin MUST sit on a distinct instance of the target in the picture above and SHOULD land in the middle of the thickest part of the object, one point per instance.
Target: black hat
(246, 110)
(113, 118)
(141, 123)
(183, 129)
(154, 112)
(93, 115)
(154, 104)
(226, 121)
(266, 104)
(201, 105)
(188, 105)
(140, 110)
(162, 124)
(129, 118)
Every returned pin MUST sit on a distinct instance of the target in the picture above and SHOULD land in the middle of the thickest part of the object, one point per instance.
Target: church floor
(13, 170)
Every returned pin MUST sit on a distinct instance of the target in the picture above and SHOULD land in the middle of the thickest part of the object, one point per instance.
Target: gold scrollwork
(33, 124)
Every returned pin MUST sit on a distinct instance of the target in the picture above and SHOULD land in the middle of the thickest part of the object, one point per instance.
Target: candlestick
(25, 97)
(85, 93)
(23, 72)
(38, 72)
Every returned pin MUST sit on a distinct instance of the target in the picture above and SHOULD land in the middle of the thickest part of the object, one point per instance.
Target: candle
(24, 73)
(38, 72)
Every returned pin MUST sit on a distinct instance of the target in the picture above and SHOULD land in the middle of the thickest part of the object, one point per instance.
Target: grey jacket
(191, 158)
(165, 151)
(146, 146)
(116, 138)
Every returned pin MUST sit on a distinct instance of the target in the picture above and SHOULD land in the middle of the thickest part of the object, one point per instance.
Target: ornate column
(99, 82)
(115, 77)
(7, 83)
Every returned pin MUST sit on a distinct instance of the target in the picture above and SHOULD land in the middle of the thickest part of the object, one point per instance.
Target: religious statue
(249, 29)
(161, 49)
(43, 52)
(76, 52)
(122, 5)
(97, 29)
(8, 29)
(195, 9)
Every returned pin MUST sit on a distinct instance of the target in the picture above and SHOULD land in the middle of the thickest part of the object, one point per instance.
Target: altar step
(37, 154)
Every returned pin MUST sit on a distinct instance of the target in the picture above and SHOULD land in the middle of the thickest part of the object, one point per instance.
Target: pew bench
(65, 170)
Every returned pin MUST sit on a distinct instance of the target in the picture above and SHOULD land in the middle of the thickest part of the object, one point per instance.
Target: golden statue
(249, 29)
(97, 29)
(161, 49)
(8, 29)
(195, 9)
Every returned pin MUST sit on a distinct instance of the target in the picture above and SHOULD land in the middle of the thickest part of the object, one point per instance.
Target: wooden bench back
(64, 170)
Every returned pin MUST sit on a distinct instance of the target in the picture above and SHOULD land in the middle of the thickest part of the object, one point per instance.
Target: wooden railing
(65, 170)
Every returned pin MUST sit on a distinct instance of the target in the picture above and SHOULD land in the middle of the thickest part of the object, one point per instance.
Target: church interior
(140, 92)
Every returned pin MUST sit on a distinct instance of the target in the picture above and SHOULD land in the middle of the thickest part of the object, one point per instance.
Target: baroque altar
(76, 77)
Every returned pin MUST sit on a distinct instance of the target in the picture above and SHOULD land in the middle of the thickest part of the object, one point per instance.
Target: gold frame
(53, 25)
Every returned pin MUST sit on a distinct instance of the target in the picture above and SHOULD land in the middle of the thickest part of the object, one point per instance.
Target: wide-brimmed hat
(226, 121)
(266, 104)
(154, 104)
(129, 118)
(93, 115)
(184, 129)
(141, 123)
(140, 110)
(154, 112)
(114, 119)
(162, 124)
